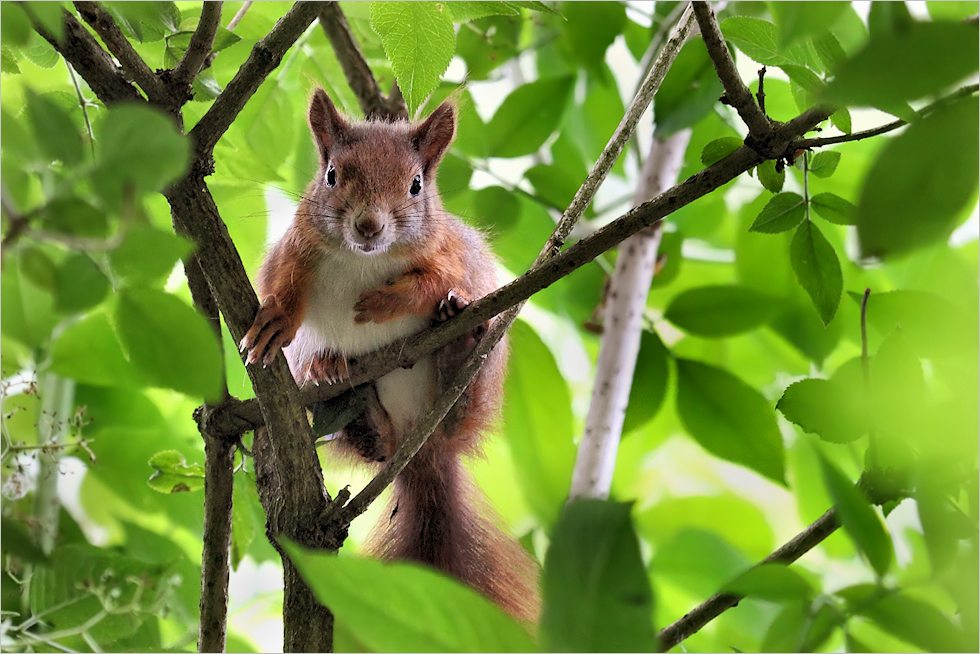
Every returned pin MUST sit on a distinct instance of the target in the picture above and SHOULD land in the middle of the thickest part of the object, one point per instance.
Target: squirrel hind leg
(371, 436)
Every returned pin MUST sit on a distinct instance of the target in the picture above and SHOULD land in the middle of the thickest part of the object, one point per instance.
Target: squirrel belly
(329, 326)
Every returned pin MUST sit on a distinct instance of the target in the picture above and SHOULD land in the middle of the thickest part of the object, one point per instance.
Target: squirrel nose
(369, 226)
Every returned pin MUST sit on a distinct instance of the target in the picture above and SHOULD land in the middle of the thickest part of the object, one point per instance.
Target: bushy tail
(439, 517)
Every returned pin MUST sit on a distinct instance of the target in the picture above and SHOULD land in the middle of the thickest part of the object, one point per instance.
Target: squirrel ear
(433, 136)
(326, 123)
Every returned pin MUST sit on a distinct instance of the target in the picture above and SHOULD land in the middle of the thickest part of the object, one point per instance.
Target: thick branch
(717, 604)
(200, 46)
(88, 58)
(888, 127)
(499, 327)
(736, 92)
(373, 102)
(405, 352)
(622, 328)
(105, 26)
(264, 58)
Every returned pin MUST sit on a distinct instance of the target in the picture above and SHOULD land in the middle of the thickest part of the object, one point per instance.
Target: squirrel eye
(331, 176)
(416, 185)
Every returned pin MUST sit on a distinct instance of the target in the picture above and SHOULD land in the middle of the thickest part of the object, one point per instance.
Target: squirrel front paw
(330, 367)
(272, 330)
(379, 305)
(450, 305)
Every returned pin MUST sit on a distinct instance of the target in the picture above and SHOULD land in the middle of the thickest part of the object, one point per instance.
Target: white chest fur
(329, 325)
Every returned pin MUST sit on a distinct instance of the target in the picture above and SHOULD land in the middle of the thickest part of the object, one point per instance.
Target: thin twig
(717, 604)
(963, 92)
(83, 103)
(105, 26)
(265, 57)
(761, 95)
(239, 15)
(200, 45)
(373, 102)
(736, 92)
(551, 251)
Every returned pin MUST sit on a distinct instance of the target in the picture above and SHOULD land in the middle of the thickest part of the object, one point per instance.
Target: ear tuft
(328, 126)
(433, 136)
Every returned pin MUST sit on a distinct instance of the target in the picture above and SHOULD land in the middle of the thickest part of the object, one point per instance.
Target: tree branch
(736, 92)
(200, 46)
(717, 604)
(405, 352)
(888, 127)
(595, 461)
(87, 57)
(107, 29)
(373, 102)
(550, 252)
(264, 58)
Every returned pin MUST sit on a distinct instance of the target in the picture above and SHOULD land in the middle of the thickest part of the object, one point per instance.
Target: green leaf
(405, 607)
(829, 50)
(495, 208)
(466, 11)
(538, 423)
(940, 153)
(528, 116)
(858, 517)
(933, 326)
(50, 16)
(419, 40)
(823, 164)
(719, 311)
(834, 208)
(80, 284)
(771, 179)
(817, 269)
(139, 147)
(145, 21)
(832, 410)
(805, 85)
(55, 132)
(89, 352)
(15, 26)
(841, 119)
(224, 38)
(771, 581)
(782, 213)
(173, 474)
(757, 39)
(787, 631)
(41, 54)
(8, 61)
(729, 418)
(688, 93)
(650, 380)
(589, 29)
(74, 216)
(798, 20)
(917, 622)
(718, 149)
(595, 589)
(170, 343)
(951, 10)
(38, 267)
(907, 64)
(147, 254)
(242, 522)
(17, 542)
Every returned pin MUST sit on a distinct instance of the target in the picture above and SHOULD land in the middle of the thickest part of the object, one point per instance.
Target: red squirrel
(371, 257)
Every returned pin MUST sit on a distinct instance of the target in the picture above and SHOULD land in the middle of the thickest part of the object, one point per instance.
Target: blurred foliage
(751, 412)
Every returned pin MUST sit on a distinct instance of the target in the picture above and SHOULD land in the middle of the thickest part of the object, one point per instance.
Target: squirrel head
(375, 191)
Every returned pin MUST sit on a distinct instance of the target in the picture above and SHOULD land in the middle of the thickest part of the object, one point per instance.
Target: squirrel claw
(451, 305)
(330, 367)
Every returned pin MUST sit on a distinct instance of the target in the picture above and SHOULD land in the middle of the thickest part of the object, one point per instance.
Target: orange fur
(360, 205)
